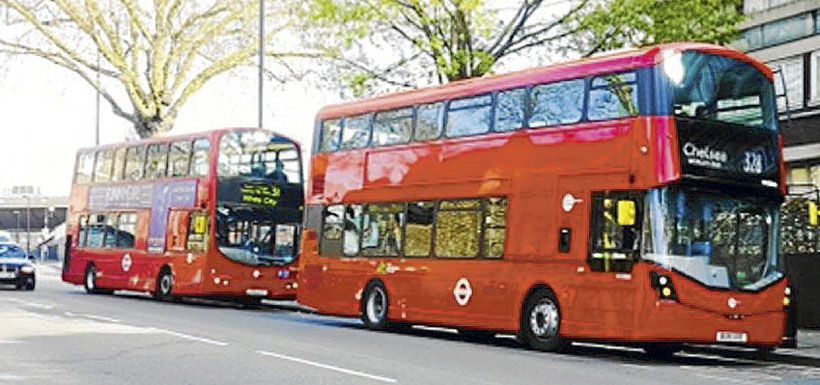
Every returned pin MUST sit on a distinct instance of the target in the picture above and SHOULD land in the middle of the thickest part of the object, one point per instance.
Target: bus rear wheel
(165, 285)
(90, 281)
(541, 322)
(374, 306)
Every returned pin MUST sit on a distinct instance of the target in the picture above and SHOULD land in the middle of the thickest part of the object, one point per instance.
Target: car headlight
(27, 269)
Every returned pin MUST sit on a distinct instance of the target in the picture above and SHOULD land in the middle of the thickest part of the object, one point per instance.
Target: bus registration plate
(732, 337)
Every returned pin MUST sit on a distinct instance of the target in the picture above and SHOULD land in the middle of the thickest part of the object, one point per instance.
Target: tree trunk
(146, 127)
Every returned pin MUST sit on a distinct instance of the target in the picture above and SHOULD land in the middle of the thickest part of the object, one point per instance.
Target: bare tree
(146, 58)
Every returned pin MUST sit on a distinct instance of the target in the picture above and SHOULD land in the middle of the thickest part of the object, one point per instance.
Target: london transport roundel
(126, 262)
(462, 292)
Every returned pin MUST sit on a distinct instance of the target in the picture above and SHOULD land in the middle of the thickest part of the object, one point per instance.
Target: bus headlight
(663, 286)
(27, 269)
(673, 66)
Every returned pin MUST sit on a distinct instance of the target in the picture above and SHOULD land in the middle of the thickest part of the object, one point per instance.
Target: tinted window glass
(126, 231)
(330, 135)
(458, 227)
(135, 160)
(332, 230)
(180, 159)
(356, 132)
(96, 234)
(83, 231)
(110, 231)
(85, 167)
(381, 230)
(119, 165)
(509, 110)
(393, 127)
(102, 168)
(495, 227)
(199, 159)
(157, 161)
(613, 96)
(419, 229)
(557, 103)
(469, 116)
(198, 226)
(352, 229)
(429, 119)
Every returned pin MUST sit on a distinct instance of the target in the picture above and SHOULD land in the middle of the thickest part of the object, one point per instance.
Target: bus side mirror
(626, 212)
(813, 213)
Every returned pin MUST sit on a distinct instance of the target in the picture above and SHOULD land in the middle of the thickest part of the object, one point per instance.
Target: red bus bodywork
(534, 169)
(199, 274)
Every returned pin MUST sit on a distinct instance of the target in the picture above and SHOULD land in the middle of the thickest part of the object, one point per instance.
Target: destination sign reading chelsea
(745, 155)
(260, 194)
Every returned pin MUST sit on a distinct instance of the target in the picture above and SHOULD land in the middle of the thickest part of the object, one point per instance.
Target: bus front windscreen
(721, 241)
(259, 198)
(717, 88)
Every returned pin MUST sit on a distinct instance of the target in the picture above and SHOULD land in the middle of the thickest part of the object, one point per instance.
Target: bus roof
(189, 136)
(608, 63)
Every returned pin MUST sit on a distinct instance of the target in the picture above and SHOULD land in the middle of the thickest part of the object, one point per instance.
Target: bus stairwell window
(495, 227)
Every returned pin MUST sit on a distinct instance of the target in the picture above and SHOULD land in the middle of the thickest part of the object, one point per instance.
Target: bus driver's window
(615, 231)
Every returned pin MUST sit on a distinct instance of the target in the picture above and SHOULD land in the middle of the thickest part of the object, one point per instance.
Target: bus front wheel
(541, 321)
(165, 285)
(374, 306)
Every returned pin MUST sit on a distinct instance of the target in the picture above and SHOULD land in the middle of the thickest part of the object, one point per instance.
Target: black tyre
(165, 285)
(541, 322)
(31, 284)
(374, 306)
(662, 350)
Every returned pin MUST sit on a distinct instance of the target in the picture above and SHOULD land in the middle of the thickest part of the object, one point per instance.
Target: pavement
(60, 335)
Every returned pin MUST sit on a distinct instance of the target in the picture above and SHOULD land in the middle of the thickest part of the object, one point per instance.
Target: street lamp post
(28, 226)
(261, 49)
(17, 232)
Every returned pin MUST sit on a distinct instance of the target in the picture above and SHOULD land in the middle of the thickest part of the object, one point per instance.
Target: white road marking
(30, 304)
(328, 367)
(189, 337)
(642, 367)
(93, 317)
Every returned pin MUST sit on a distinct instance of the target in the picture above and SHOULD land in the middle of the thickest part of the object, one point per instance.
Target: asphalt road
(60, 335)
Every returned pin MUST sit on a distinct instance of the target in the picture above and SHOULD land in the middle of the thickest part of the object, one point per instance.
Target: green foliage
(615, 24)
(408, 43)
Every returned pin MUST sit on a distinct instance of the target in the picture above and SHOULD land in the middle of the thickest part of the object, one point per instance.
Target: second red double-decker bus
(632, 198)
(215, 214)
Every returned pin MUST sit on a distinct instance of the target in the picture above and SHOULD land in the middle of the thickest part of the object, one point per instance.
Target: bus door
(605, 234)
(186, 243)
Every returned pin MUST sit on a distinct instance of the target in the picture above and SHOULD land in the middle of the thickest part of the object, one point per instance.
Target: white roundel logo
(463, 291)
(732, 302)
(126, 262)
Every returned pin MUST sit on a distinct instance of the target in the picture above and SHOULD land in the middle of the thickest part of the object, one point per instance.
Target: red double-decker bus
(631, 197)
(215, 214)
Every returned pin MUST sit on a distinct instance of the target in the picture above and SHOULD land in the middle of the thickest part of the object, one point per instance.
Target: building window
(787, 29)
(815, 77)
(792, 72)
